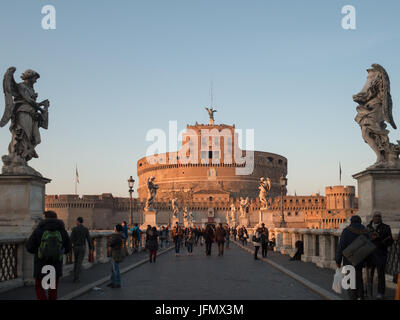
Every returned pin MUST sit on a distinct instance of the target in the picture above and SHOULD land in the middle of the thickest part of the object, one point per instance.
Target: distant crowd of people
(50, 241)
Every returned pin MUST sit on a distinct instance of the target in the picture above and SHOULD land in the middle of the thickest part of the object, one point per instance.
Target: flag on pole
(340, 174)
(76, 174)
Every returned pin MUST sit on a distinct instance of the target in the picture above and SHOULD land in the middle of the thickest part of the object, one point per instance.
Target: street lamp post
(131, 181)
(283, 183)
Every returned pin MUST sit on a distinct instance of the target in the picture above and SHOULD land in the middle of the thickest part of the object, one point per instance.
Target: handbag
(359, 250)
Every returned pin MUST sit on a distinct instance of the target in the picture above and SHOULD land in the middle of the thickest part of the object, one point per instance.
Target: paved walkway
(67, 287)
(235, 276)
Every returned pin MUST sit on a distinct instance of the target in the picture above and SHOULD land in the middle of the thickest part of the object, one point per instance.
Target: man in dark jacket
(79, 236)
(350, 234)
(50, 226)
(220, 235)
(116, 244)
(381, 236)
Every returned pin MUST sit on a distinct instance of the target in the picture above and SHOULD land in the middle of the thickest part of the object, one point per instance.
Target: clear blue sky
(112, 70)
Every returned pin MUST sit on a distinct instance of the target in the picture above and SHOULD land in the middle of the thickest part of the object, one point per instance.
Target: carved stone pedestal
(379, 190)
(149, 218)
(244, 221)
(21, 203)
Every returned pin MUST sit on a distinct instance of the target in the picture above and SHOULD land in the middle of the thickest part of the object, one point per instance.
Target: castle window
(270, 160)
(280, 161)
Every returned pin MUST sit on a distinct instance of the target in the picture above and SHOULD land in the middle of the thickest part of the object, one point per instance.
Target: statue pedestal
(379, 190)
(174, 220)
(21, 203)
(244, 221)
(149, 218)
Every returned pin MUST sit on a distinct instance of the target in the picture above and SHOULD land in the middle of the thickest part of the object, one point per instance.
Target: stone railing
(320, 246)
(16, 263)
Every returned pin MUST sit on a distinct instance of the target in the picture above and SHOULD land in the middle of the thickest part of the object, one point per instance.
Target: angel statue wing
(269, 184)
(10, 89)
(387, 98)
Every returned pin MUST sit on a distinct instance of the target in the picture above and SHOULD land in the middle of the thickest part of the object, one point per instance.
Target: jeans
(79, 254)
(256, 248)
(115, 274)
(177, 245)
(190, 247)
(153, 253)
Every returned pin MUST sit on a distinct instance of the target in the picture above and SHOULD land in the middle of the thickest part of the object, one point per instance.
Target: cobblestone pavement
(235, 276)
(67, 286)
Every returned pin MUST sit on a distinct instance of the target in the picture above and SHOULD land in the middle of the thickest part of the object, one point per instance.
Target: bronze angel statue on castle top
(26, 117)
(375, 107)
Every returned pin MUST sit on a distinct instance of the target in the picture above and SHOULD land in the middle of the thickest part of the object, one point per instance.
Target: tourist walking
(79, 237)
(153, 244)
(136, 237)
(240, 235)
(147, 236)
(48, 242)
(350, 234)
(190, 240)
(116, 245)
(264, 240)
(381, 236)
(220, 237)
(163, 237)
(234, 232)
(177, 235)
(256, 239)
(208, 239)
(227, 236)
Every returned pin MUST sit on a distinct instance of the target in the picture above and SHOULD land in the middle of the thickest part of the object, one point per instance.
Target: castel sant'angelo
(210, 178)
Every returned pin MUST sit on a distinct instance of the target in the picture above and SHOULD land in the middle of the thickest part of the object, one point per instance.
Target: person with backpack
(256, 239)
(349, 235)
(79, 236)
(381, 236)
(116, 244)
(48, 242)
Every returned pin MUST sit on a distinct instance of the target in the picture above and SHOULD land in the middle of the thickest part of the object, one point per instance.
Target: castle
(205, 177)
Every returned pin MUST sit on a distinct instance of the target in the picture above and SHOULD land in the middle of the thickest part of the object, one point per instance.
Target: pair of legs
(256, 248)
(79, 254)
(227, 242)
(221, 248)
(208, 247)
(177, 242)
(153, 255)
(190, 247)
(264, 249)
(115, 274)
(380, 269)
(41, 293)
(358, 292)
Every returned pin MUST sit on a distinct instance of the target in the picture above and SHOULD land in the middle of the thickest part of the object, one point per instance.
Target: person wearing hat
(381, 236)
